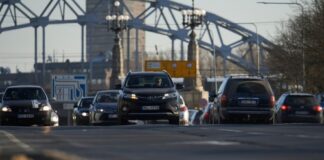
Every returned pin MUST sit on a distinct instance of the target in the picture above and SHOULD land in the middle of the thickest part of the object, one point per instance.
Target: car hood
(149, 90)
(83, 109)
(25, 103)
(106, 105)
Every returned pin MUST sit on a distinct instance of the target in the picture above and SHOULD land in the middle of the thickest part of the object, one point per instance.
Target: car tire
(123, 121)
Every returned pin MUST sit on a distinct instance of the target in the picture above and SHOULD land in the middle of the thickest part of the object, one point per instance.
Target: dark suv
(148, 96)
(244, 97)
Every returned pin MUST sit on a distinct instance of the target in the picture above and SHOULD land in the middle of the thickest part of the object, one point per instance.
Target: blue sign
(69, 88)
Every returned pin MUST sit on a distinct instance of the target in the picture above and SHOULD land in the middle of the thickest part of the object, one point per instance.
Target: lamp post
(117, 22)
(302, 35)
(258, 44)
(192, 18)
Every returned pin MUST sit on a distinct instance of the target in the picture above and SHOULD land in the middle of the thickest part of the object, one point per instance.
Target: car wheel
(122, 121)
(321, 119)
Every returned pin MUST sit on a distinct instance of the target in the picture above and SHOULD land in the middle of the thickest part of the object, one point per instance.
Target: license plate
(112, 116)
(248, 102)
(302, 112)
(25, 116)
(150, 108)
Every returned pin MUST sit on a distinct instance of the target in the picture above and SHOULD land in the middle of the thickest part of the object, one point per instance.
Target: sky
(17, 47)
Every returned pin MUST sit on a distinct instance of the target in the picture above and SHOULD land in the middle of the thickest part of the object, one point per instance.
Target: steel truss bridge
(241, 49)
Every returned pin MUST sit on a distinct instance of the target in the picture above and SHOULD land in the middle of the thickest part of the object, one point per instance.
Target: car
(27, 105)
(244, 97)
(297, 107)
(80, 113)
(183, 113)
(207, 116)
(194, 116)
(103, 109)
(1, 95)
(149, 96)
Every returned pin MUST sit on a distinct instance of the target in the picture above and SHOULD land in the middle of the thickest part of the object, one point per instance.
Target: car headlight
(6, 109)
(99, 110)
(45, 108)
(84, 114)
(170, 95)
(130, 96)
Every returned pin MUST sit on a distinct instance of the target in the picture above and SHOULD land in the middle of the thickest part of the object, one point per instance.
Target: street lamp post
(117, 22)
(302, 35)
(192, 18)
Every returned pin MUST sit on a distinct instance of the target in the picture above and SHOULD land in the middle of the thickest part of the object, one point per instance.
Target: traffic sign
(69, 88)
(186, 69)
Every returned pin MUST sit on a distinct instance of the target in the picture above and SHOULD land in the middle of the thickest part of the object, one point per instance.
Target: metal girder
(168, 13)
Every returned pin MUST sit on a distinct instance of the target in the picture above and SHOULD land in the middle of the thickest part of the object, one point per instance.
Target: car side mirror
(179, 86)
(212, 97)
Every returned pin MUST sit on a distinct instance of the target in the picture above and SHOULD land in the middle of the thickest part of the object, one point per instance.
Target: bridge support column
(82, 47)
(36, 55)
(117, 72)
(43, 57)
(193, 55)
(194, 92)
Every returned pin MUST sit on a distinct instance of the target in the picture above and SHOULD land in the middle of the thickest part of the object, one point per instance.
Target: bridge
(240, 50)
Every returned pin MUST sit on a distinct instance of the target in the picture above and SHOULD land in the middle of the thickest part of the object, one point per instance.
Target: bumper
(40, 118)
(82, 119)
(302, 118)
(135, 110)
(240, 111)
(102, 117)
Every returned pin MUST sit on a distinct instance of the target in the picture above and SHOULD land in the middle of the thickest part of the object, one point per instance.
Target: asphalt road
(163, 142)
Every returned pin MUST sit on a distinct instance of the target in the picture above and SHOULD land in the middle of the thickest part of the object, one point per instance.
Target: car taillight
(206, 116)
(284, 108)
(318, 108)
(272, 101)
(223, 100)
(183, 109)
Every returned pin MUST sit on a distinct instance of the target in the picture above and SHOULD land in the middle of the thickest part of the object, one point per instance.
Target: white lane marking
(15, 140)
(231, 130)
(304, 136)
(256, 133)
(218, 143)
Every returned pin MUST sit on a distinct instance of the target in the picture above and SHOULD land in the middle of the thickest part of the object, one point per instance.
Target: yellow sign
(186, 69)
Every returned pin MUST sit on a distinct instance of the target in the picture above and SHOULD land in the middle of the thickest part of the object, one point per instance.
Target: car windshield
(86, 103)
(107, 97)
(300, 100)
(148, 81)
(24, 94)
(1, 95)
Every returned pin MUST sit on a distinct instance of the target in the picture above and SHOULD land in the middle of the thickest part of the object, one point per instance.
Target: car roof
(299, 94)
(148, 73)
(25, 86)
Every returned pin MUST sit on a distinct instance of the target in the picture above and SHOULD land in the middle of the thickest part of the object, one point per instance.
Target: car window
(86, 103)
(300, 100)
(248, 88)
(24, 94)
(148, 81)
(107, 98)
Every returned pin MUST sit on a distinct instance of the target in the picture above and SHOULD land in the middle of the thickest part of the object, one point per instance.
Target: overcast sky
(17, 47)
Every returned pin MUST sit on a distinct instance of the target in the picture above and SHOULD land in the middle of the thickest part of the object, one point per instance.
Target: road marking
(15, 140)
(304, 136)
(231, 130)
(256, 133)
(217, 143)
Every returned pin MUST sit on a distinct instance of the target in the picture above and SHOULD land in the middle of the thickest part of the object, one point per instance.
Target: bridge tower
(100, 42)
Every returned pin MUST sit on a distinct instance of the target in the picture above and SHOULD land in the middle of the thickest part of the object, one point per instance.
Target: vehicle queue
(152, 96)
